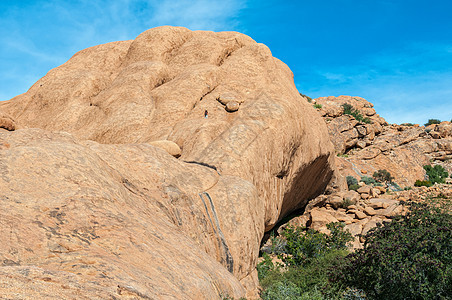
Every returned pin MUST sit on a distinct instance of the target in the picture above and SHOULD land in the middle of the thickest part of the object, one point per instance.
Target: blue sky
(395, 53)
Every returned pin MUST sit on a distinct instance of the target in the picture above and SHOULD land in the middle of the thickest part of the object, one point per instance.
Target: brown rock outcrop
(402, 150)
(125, 217)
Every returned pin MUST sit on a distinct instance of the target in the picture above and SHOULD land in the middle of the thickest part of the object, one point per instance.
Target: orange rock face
(94, 204)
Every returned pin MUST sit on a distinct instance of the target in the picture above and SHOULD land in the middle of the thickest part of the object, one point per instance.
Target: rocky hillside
(114, 184)
(366, 143)
(152, 168)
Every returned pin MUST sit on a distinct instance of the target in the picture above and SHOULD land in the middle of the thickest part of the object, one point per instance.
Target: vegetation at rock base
(305, 257)
(432, 121)
(426, 183)
(368, 180)
(351, 181)
(436, 174)
(383, 176)
(407, 258)
(317, 105)
(350, 110)
(346, 203)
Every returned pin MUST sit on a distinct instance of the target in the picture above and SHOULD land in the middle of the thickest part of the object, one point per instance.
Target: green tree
(436, 174)
(432, 121)
(383, 176)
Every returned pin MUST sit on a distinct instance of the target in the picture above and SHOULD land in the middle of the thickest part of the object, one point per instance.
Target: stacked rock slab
(92, 208)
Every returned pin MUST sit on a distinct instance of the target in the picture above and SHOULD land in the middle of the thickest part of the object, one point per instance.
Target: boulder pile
(360, 210)
(366, 143)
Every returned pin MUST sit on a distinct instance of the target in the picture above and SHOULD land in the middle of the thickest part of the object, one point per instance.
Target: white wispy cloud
(37, 36)
(198, 14)
(412, 84)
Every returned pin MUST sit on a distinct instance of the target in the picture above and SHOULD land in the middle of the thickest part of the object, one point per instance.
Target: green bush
(436, 174)
(407, 258)
(317, 105)
(346, 202)
(367, 120)
(265, 267)
(311, 280)
(303, 245)
(368, 180)
(423, 183)
(307, 256)
(383, 176)
(354, 187)
(350, 110)
(351, 181)
(432, 121)
(282, 290)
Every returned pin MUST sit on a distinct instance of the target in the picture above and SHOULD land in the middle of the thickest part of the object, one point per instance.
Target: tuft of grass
(317, 105)
(307, 97)
(346, 202)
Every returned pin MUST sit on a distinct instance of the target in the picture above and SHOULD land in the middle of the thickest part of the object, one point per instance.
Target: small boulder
(319, 219)
(361, 144)
(171, 147)
(375, 192)
(362, 131)
(360, 215)
(364, 189)
(335, 202)
(381, 188)
(227, 97)
(435, 135)
(232, 106)
(391, 211)
(351, 207)
(369, 211)
(365, 196)
(377, 205)
(352, 195)
(342, 217)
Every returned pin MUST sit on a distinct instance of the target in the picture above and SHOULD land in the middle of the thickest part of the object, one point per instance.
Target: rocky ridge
(366, 147)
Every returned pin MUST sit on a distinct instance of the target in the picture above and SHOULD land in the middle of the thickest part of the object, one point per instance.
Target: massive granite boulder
(92, 202)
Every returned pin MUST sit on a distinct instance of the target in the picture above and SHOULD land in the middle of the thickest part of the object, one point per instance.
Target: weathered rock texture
(90, 207)
(402, 150)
